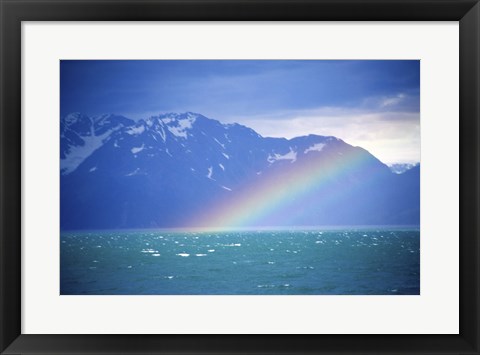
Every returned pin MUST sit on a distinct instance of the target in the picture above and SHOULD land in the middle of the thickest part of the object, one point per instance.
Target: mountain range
(179, 170)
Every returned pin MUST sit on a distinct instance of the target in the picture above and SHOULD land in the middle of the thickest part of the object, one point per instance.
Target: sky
(374, 104)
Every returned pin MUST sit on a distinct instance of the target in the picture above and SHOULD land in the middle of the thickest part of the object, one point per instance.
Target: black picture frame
(13, 12)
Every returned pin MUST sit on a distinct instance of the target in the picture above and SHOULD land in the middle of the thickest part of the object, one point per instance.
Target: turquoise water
(275, 262)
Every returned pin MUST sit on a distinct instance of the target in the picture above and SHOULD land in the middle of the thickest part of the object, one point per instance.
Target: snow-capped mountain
(164, 170)
(400, 168)
(81, 135)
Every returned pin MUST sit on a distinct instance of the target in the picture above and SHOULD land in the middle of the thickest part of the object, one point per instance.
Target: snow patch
(399, 168)
(226, 188)
(162, 134)
(135, 172)
(180, 130)
(136, 150)
(72, 118)
(93, 169)
(222, 145)
(315, 148)
(226, 155)
(210, 173)
(78, 154)
(221, 166)
(291, 155)
(135, 131)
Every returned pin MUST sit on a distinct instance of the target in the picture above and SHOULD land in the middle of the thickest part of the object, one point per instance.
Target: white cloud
(392, 101)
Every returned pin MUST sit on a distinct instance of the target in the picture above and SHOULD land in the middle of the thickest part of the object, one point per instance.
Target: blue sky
(373, 104)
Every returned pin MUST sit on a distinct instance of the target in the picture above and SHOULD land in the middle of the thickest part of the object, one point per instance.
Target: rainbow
(268, 197)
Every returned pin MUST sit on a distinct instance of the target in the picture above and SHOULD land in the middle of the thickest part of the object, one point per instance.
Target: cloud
(392, 101)
(400, 102)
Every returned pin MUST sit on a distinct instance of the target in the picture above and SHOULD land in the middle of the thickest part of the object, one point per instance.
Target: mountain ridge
(166, 170)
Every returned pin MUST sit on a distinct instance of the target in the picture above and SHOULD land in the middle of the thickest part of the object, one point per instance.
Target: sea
(298, 261)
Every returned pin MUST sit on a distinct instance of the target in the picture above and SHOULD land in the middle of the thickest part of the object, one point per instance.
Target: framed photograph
(183, 204)
(239, 177)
